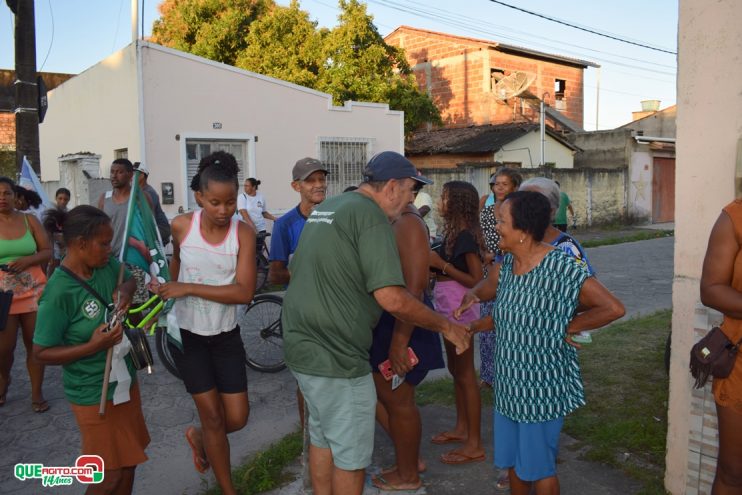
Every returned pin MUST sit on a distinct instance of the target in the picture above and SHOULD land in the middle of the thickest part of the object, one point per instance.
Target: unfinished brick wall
(447, 160)
(7, 130)
(457, 72)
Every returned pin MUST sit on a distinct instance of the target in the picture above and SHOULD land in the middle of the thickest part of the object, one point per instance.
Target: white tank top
(209, 264)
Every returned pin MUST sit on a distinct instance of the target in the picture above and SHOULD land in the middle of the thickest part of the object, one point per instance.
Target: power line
(509, 29)
(116, 32)
(51, 42)
(588, 30)
(470, 25)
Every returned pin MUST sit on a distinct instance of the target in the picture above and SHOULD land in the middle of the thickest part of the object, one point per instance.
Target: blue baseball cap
(391, 165)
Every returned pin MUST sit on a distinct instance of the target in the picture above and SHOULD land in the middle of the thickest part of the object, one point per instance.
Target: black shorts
(216, 361)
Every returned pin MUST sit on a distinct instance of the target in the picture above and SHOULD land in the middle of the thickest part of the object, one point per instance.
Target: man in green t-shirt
(560, 219)
(345, 270)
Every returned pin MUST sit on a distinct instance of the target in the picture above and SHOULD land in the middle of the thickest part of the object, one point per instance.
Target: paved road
(639, 273)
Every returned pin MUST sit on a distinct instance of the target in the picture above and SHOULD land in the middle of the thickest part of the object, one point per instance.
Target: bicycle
(262, 333)
(153, 306)
(261, 260)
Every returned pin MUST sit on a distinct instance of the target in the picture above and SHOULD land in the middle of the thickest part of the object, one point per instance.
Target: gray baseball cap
(306, 167)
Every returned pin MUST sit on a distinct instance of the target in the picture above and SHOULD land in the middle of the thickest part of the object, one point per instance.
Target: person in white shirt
(424, 204)
(251, 206)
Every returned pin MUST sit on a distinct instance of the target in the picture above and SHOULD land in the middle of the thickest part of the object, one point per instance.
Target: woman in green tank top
(24, 247)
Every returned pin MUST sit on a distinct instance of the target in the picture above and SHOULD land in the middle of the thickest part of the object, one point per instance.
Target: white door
(196, 149)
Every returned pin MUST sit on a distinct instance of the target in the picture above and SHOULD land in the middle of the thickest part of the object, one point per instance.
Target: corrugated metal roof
(473, 139)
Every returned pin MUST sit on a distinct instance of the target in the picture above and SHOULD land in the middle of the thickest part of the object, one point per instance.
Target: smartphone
(386, 367)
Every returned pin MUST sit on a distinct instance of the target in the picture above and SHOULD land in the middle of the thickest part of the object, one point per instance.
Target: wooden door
(663, 190)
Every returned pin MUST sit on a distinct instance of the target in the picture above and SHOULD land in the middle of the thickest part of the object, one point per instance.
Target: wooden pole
(109, 358)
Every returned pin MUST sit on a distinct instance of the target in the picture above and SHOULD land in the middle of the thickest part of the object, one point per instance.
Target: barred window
(345, 159)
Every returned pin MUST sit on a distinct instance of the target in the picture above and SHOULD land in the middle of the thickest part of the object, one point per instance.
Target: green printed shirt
(68, 315)
(347, 250)
(537, 376)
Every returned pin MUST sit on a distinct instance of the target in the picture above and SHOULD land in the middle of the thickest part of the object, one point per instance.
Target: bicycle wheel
(262, 334)
(163, 351)
(261, 274)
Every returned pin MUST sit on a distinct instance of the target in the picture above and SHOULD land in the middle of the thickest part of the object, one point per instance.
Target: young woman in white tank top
(213, 269)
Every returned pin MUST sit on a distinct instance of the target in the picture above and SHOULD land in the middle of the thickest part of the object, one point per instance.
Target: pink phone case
(386, 367)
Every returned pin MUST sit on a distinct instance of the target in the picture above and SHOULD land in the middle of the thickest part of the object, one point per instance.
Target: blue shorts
(530, 448)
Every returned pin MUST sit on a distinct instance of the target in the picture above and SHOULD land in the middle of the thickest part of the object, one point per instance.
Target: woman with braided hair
(213, 270)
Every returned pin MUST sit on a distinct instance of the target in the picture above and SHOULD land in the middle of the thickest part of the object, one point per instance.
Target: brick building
(461, 74)
(7, 114)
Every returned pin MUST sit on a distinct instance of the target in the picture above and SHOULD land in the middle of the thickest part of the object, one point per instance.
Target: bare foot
(195, 441)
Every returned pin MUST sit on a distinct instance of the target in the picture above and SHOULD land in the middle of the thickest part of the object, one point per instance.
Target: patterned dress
(537, 375)
(487, 339)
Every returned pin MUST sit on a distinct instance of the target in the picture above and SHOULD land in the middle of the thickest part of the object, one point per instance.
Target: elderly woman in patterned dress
(537, 290)
(502, 183)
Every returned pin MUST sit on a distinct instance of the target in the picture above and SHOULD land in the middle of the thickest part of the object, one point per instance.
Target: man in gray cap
(309, 179)
(345, 270)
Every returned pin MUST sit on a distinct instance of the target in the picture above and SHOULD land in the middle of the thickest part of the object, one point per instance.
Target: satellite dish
(513, 84)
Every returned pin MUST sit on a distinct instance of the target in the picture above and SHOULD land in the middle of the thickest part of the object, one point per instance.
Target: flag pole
(122, 257)
(109, 359)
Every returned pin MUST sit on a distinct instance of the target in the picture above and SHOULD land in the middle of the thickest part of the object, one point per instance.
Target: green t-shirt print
(346, 251)
(68, 314)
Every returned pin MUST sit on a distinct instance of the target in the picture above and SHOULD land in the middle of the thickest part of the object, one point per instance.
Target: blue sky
(86, 31)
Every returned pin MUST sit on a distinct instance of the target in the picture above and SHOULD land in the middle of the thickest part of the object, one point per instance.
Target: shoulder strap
(85, 285)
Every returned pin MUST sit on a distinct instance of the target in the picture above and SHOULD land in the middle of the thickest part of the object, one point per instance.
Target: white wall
(554, 151)
(709, 126)
(95, 111)
(184, 95)
(640, 186)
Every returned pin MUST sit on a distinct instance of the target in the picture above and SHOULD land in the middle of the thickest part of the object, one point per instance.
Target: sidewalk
(640, 274)
(576, 476)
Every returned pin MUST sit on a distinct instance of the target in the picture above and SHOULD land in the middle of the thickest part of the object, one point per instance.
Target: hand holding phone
(385, 368)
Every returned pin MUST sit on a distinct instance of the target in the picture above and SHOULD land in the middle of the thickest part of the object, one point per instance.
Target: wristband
(443, 270)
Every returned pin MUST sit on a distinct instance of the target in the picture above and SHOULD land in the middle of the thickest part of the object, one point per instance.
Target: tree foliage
(351, 61)
(214, 29)
(284, 43)
(360, 66)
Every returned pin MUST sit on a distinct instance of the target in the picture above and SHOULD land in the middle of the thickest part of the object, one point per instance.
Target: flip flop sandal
(201, 464)
(503, 484)
(40, 407)
(455, 458)
(444, 438)
(383, 485)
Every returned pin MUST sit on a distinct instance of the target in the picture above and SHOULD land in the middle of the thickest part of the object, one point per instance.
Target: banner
(31, 181)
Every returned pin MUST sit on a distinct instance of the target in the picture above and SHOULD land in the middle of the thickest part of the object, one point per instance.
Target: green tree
(214, 29)
(359, 65)
(284, 43)
(351, 62)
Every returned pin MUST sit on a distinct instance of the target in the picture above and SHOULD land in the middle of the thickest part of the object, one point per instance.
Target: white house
(168, 109)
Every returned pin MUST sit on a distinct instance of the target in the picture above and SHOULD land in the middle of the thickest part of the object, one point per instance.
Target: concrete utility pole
(26, 89)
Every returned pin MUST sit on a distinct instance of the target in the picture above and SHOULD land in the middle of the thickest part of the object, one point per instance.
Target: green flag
(142, 246)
